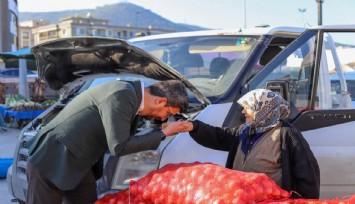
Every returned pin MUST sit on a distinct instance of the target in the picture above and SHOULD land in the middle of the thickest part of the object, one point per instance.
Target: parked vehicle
(299, 71)
(350, 83)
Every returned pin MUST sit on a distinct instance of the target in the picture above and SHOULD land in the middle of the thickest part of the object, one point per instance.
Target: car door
(312, 74)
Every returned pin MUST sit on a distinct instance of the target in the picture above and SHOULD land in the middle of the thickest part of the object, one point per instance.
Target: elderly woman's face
(249, 114)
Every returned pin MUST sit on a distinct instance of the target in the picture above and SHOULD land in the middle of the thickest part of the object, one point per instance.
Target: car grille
(23, 152)
(24, 144)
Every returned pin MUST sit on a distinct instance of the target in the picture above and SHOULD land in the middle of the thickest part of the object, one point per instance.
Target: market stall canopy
(19, 59)
(22, 53)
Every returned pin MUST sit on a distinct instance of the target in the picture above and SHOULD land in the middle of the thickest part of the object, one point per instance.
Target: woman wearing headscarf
(265, 143)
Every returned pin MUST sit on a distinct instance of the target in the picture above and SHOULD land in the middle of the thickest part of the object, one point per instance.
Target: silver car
(214, 65)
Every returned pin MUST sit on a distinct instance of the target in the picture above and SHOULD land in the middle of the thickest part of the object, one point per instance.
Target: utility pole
(137, 15)
(320, 11)
(245, 14)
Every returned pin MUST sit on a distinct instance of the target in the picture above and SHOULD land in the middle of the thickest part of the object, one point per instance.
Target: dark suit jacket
(95, 121)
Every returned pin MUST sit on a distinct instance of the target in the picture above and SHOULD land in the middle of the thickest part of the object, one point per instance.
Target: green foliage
(18, 102)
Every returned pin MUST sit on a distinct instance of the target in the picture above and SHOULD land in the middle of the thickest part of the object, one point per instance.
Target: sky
(221, 14)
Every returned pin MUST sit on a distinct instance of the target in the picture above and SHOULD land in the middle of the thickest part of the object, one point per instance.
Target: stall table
(19, 117)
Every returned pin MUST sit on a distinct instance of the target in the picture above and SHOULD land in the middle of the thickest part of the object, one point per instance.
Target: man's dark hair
(174, 90)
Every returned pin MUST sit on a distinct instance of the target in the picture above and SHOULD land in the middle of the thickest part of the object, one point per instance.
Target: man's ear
(162, 101)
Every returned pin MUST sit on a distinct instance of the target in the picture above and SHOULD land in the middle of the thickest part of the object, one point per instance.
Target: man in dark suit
(63, 153)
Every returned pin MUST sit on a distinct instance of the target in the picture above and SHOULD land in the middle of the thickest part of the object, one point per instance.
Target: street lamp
(302, 10)
(137, 14)
(320, 11)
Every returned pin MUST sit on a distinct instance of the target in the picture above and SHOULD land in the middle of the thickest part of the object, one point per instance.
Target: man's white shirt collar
(141, 106)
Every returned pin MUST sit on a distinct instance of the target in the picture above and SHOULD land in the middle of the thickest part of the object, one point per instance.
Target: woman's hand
(177, 127)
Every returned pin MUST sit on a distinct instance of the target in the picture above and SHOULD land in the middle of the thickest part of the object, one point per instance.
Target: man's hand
(177, 127)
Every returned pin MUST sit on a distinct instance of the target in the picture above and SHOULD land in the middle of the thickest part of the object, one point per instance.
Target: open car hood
(62, 61)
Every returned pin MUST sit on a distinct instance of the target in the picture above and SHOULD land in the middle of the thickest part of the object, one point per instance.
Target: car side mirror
(279, 86)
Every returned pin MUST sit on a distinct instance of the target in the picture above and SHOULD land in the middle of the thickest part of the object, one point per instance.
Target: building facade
(8, 25)
(39, 31)
(26, 38)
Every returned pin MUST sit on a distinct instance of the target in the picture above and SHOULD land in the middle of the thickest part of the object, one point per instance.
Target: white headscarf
(269, 108)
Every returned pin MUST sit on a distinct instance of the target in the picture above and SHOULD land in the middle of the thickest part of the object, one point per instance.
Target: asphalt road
(8, 141)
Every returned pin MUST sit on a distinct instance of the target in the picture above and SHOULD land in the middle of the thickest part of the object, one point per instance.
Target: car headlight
(139, 164)
(135, 166)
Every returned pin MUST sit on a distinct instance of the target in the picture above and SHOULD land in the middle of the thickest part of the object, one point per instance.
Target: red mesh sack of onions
(199, 183)
(350, 200)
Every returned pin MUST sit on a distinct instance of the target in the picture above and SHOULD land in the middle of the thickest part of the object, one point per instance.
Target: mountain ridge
(119, 14)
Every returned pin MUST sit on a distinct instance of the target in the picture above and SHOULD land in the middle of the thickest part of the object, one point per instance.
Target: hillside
(119, 14)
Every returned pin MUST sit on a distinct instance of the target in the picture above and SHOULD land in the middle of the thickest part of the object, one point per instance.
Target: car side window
(210, 63)
(296, 70)
(267, 56)
(336, 87)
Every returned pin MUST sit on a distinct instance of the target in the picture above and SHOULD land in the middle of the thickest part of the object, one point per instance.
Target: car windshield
(99, 80)
(123, 76)
(210, 63)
